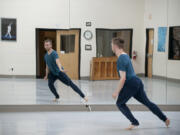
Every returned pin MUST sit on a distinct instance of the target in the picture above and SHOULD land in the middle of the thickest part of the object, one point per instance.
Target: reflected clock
(88, 35)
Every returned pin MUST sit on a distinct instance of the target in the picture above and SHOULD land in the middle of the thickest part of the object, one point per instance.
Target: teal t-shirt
(124, 64)
(50, 60)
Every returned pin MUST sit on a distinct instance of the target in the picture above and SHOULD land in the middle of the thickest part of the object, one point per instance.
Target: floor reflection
(36, 91)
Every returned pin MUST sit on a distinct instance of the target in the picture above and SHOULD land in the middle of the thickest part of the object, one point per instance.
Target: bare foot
(131, 127)
(86, 99)
(167, 122)
(56, 100)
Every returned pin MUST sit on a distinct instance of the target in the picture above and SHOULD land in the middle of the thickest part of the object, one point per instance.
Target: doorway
(66, 43)
(149, 52)
(41, 35)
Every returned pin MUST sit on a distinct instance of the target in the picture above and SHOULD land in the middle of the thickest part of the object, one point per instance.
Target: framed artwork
(8, 29)
(174, 43)
(162, 31)
(88, 47)
(88, 24)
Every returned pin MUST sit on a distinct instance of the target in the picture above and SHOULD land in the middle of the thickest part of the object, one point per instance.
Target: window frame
(131, 37)
(170, 49)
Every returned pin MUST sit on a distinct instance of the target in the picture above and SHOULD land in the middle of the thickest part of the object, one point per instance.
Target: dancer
(55, 71)
(131, 86)
(9, 31)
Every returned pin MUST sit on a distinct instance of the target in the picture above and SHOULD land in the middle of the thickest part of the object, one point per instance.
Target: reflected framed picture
(8, 29)
(162, 31)
(174, 43)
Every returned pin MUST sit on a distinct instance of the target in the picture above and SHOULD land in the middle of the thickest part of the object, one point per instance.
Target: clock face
(88, 35)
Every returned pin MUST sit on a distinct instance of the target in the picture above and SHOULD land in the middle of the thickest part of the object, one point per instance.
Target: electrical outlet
(11, 68)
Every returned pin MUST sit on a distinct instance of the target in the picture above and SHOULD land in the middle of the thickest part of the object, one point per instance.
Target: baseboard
(160, 77)
(141, 74)
(88, 78)
(85, 78)
(166, 78)
(18, 76)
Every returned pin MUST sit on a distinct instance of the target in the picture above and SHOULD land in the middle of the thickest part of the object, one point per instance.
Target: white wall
(164, 13)
(115, 14)
(55, 14)
(173, 66)
(30, 15)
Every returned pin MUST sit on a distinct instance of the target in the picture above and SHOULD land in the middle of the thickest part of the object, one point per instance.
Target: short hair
(119, 42)
(48, 41)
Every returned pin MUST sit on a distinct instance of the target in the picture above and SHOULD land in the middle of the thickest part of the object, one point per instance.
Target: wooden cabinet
(103, 68)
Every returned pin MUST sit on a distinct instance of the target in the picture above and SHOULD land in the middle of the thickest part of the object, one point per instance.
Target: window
(67, 43)
(174, 43)
(104, 37)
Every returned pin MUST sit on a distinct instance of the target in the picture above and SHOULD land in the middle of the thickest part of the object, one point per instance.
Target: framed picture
(162, 31)
(88, 24)
(8, 29)
(174, 43)
(88, 47)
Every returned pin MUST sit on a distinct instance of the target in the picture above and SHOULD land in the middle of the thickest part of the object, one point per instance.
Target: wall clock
(88, 35)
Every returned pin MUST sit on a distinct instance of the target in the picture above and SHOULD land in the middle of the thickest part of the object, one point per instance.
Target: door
(149, 52)
(67, 48)
(41, 35)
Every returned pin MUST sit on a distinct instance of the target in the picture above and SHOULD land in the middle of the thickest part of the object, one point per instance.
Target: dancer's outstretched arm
(60, 65)
(47, 72)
